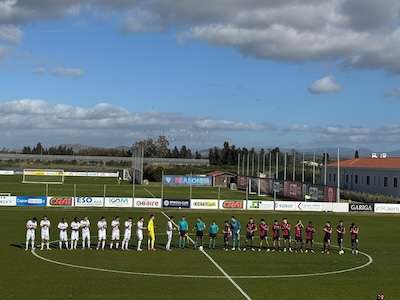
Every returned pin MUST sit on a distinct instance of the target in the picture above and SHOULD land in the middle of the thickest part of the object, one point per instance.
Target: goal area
(43, 176)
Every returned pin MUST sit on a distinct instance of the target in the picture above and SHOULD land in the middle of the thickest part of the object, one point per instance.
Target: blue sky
(244, 74)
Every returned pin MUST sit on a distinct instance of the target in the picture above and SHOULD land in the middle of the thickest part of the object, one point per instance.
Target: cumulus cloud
(35, 117)
(68, 72)
(324, 85)
(394, 93)
(10, 34)
(363, 34)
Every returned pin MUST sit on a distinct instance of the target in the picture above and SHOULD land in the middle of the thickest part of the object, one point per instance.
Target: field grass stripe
(226, 275)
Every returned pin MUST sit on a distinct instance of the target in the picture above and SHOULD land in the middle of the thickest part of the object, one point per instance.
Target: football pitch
(109, 187)
(188, 273)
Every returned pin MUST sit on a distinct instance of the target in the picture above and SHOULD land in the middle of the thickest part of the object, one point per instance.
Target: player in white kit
(170, 228)
(85, 225)
(115, 233)
(63, 226)
(102, 233)
(31, 226)
(45, 232)
(75, 226)
(139, 233)
(127, 234)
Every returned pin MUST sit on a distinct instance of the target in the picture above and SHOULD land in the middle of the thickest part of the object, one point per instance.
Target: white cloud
(362, 34)
(394, 93)
(68, 72)
(324, 85)
(38, 118)
(10, 34)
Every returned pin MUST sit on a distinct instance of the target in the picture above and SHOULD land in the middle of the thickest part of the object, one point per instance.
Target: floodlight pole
(248, 164)
(162, 184)
(325, 162)
(284, 171)
(270, 164)
(313, 169)
(104, 191)
(258, 164)
(302, 170)
(294, 166)
(238, 166)
(338, 176)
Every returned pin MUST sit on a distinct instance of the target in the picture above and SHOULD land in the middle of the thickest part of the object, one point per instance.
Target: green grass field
(85, 186)
(25, 276)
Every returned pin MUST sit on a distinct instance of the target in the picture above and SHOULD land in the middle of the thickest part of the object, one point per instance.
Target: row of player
(281, 234)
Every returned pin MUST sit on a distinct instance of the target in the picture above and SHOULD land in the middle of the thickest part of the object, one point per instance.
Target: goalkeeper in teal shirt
(213, 231)
(199, 228)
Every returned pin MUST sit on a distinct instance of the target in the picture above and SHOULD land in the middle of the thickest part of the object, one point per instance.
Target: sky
(262, 73)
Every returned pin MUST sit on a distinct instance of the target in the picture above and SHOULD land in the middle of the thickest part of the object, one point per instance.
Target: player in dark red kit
(310, 230)
(286, 235)
(276, 235)
(263, 231)
(354, 231)
(340, 230)
(380, 296)
(251, 229)
(327, 238)
(227, 234)
(298, 235)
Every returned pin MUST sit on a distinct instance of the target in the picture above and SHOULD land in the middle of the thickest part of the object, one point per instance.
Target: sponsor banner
(311, 206)
(293, 190)
(91, 174)
(6, 172)
(286, 205)
(60, 201)
(361, 207)
(118, 202)
(168, 203)
(387, 208)
(43, 173)
(204, 204)
(31, 201)
(260, 205)
(232, 204)
(242, 182)
(330, 194)
(89, 201)
(195, 180)
(147, 202)
(8, 201)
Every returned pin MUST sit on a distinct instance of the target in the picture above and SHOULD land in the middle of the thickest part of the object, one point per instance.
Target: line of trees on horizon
(226, 155)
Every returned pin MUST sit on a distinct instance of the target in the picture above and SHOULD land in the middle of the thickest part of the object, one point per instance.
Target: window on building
(356, 179)
(334, 178)
(347, 178)
(368, 180)
(385, 181)
(330, 177)
(374, 180)
(395, 182)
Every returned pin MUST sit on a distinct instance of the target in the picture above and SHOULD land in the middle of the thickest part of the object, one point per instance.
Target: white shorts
(139, 235)
(169, 235)
(74, 235)
(45, 235)
(85, 234)
(115, 235)
(127, 235)
(30, 235)
(102, 235)
(63, 236)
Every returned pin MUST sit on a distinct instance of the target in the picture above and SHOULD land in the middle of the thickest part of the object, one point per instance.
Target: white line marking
(151, 194)
(245, 295)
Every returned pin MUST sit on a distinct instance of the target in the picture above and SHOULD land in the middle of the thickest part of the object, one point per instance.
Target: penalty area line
(150, 193)
(226, 275)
